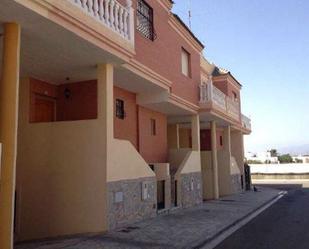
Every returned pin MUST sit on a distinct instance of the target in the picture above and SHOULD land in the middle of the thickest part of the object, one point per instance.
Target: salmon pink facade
(110, 117)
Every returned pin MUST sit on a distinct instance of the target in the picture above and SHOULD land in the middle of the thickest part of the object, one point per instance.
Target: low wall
(295, 168)
(207, 175)
(224, 173)
(176, 157)
(126, 203)
(126, 163)
(127, 174)
(291, 176)
(190, 164)
(279, 171)
(61, 179)
(235, 176)
(189, 178)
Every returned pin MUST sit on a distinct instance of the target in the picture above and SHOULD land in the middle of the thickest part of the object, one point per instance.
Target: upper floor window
(145, 20)
(185, 63)
(153, 127)
(120, 109)
(235, 97)
(221, 141)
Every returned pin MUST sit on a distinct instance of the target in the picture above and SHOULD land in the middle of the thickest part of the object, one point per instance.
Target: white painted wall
(280, 168)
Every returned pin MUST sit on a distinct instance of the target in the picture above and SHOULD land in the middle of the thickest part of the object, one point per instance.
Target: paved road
(285, 225)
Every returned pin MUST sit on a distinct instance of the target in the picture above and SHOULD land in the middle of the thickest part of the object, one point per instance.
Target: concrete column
(195, 132)
(214, 159)
(224, 164)
(237, 144)
(9, 88)
(106, 117)
(177, 137)
(173, 136)
(106, 98)
(227, 141)
(242, 154)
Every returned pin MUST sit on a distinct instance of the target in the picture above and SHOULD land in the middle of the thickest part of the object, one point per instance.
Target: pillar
(237, 144)
(227, 140)
(177, 137)
(106, 98)
(9, 88)
(195, 132)
(105, 78)
(173, 136)
(214, 159)
(242, 154)
(224, 164)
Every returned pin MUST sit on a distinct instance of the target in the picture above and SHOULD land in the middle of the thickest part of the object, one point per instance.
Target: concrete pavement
(184, 228)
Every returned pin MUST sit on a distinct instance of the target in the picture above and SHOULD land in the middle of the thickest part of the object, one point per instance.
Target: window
(120, 109)
(221, 141)
(235, 96)
(153, 127)
(145, 20)
(185, 63)
(152, 167)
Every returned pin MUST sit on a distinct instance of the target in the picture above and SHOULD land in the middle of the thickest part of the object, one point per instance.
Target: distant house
(263, 157)
(301, 159)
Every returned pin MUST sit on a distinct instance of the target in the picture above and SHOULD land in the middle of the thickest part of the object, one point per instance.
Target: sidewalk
(185, 228)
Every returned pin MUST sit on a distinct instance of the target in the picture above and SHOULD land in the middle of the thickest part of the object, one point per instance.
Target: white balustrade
(112, 14)
(209, 93)
(219, 98)
(233, 107)
(204, 96)
(246, 122)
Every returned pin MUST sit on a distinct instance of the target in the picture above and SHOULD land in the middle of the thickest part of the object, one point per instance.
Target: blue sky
(265, 44)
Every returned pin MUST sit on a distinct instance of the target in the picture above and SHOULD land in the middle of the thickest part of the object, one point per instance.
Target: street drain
(227, 200)
(129, 229)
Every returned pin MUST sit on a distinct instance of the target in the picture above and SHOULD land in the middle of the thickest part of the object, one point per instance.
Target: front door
(44, 109)
(161, 195)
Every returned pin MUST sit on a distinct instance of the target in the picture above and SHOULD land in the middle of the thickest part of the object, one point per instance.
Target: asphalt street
(285, 225)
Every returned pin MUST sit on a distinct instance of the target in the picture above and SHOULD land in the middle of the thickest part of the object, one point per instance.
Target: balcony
(246, 122)
(212, 97)
(110, 14)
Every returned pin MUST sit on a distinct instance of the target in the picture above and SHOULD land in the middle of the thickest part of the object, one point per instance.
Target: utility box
(145, 191)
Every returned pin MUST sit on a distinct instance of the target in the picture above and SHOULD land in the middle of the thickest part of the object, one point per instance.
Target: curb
(205, 242)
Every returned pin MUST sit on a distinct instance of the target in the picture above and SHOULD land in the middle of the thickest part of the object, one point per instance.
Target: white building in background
(303, 159)
(263, 157)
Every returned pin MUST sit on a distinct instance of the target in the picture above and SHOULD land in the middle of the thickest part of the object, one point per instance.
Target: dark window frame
(153, 127)
(145, 20)
(235, 95)
(120, 112)
(183, 50)
(221, 140)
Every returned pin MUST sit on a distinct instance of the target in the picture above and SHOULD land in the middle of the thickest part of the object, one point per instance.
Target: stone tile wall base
(236, 183)
(191, 189)
(168, 193)
(132, 208)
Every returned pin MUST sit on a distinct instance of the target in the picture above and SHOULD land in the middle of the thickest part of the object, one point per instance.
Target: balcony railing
(246, 122)
(211, 94)
(218, 98)
(233, 107)
(112, 14)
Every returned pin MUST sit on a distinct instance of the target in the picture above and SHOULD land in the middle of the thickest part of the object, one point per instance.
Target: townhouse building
(109, 114)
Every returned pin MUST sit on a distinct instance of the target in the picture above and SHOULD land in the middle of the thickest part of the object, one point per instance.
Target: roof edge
(188, 29)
